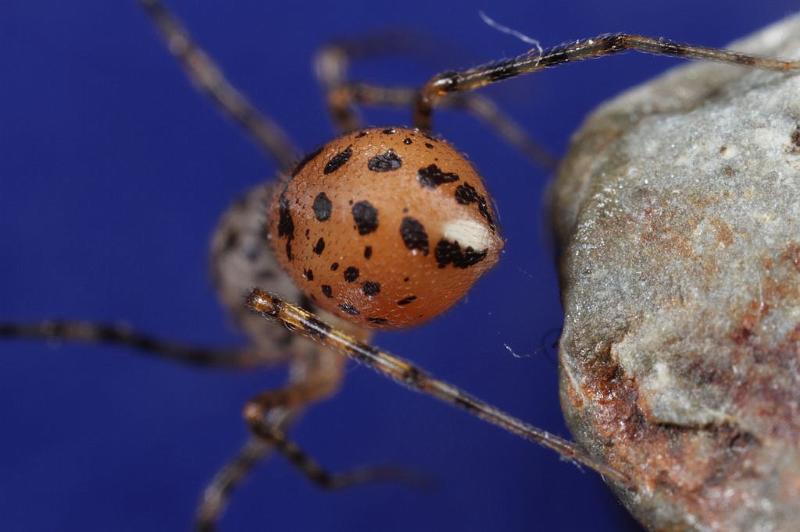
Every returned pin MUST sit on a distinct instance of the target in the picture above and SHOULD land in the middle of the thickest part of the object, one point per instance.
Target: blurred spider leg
(217, 494)
(257, 412)
(319, 366)
(481, 107)
(486, 110)
(209, 79)
(342, 96)
(402, 371)
(600, 46)
(116, 334)
(332, 64)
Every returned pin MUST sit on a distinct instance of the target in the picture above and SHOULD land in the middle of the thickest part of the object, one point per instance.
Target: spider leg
(257, 413)
(332, 64)
(481, 107)
(487, 111)
(402, 371)
(216, 495)
(209, 79)
(342, 96)
(315, 365)
(269, 415)
(600, 46)
(117, 334)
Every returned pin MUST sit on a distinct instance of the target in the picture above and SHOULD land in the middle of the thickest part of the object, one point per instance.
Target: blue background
(112, 175)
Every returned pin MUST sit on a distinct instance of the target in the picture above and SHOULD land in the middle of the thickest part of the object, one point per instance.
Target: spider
(310, 364)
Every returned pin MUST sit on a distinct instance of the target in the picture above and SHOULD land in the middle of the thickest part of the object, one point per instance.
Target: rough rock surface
(678, 214)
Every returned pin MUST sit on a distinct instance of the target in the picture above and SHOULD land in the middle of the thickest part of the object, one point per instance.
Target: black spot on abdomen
(406, 300)
(319, 247)
(385, 162)
(322, 207)
(414, 235)
(432, 176)
(451, 253)
(351, 274)
(285, 223)
(466, 194)
(371, 288)
(365, 216)
(347, 308)
(338, 160)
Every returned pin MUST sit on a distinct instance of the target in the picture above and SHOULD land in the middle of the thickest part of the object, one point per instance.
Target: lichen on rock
(678, 216)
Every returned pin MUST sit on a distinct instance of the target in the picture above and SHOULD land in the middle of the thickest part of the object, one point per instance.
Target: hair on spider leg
(510, 31)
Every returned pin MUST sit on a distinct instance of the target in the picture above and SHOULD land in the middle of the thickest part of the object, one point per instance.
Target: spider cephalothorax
(385, 227)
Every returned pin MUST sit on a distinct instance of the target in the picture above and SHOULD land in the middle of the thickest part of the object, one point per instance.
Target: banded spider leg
(464, 81)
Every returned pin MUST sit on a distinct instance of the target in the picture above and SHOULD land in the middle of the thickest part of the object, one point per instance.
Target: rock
(678, 216)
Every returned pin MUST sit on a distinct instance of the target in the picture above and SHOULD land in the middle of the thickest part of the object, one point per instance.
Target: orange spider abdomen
(386, 228)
